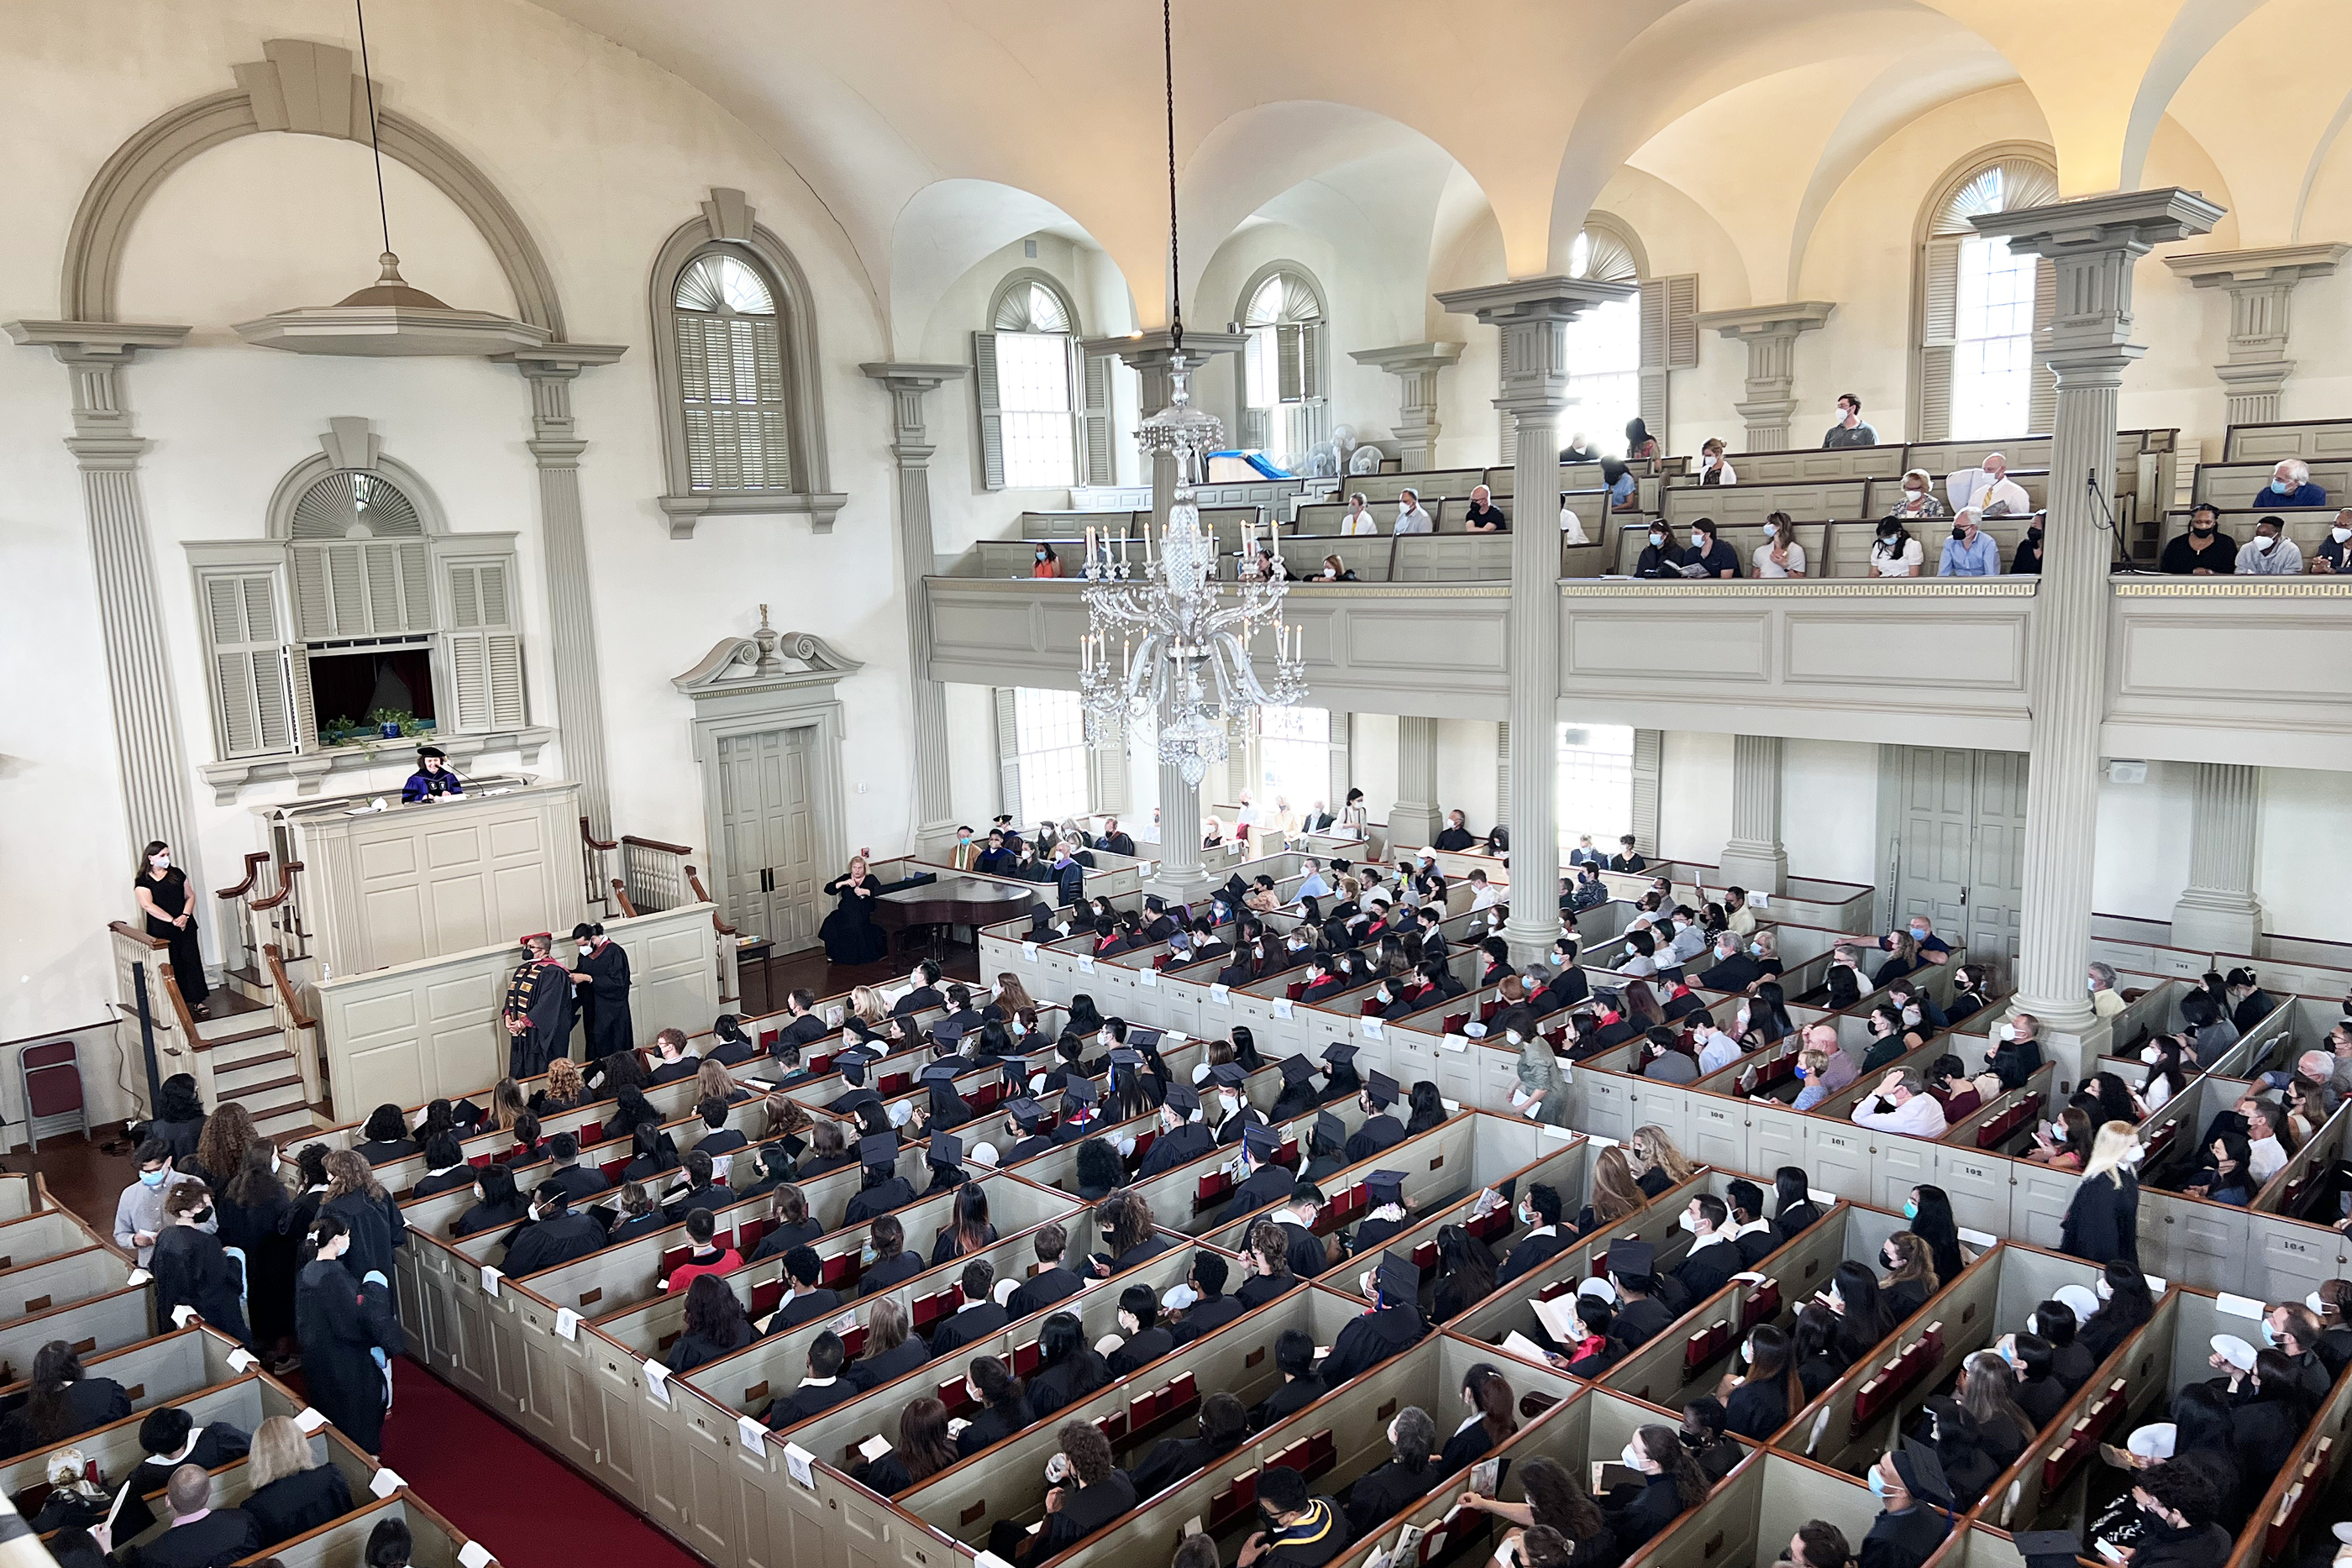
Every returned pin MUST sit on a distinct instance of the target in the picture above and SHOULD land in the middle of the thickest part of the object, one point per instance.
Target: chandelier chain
(376, 144)
(1175, 258)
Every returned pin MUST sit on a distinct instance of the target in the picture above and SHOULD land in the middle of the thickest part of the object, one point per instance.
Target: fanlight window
(1283, 374)
(1982, 302)
(351, 505)
(1604, 347)
(730, 363)
(1030, 307)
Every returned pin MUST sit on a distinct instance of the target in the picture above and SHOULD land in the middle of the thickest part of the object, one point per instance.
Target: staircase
(256, 1045)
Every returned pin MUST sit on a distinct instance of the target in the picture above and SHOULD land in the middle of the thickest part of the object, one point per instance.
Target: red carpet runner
(527, 1509)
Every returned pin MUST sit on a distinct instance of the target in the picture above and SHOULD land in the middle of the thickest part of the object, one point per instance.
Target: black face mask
(1958, 532)
(2202, 530)
(2033, 533)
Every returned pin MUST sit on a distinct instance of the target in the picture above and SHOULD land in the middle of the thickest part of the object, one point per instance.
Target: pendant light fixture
(389, 317)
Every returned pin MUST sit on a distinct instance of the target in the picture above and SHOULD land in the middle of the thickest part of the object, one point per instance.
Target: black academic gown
(340, 1323)
(873, 1371)
(303, 1500)
(224, 1535)
(191, 1271)
(1043, 1289)
(1641, 1320)
(1206, 1316)
(1307, 1258)
(896, 1193)
(1371, 1338)
(1287, 1401)
(1267, 1185)
(544, 1243)
(1314, 1539)
(540, 994)
(1530, 1254)
(1375, 1233)
(1169, 1150)
(90, 1402)
(1385, 1491)
(1141, 1350)
(967, 1326)
(889, 1271)
(606, 1000)
(1378, 1134)
(1904, 1540)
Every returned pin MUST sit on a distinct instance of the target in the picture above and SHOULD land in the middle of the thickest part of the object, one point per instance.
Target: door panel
(1960, 849)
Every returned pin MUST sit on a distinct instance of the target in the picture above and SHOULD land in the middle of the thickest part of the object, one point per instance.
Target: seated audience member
(892, 1262)
(1069, 1368)
(807, 1299)
(1671, 1487)
(1484, 517)
(1708, 557)
(1918, 497)
(923, 1450)
(1303, 1531)
(1301, 1384)
(2291, 485)
(63, 1403)
(2026, 559)
(1971, 551)
(1766, 1393)
(715, 1325)
(1954, 1089)
(2225, 1176)
(2204, 551)
(169, 1439)
(553, 1234)
(1779, 555)
(2068, 1147)
(1223, 1423)
(2330, 558)
(704, 1256)
(1989, 489)
(977, 1317)
(1618, 480)
(1400, 1480)
(1901, 1104)
(200, 1534)
(1894, 552)
(1822, 1066)
(385, 1139)
(1911, 1275)
(1713, 1257)
(1393, 1324)
(1850, 430)
(1915, 1507)
(1410, 517)
(1140, 1339)
(1334, 570)
(2269, 553)
(2182, 1510)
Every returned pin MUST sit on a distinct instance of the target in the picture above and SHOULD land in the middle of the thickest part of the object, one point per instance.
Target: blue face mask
(2281, 486)
(1910, 1208)
(1918, 934)
(1877, 1482)
(1800, 1070)
(1756, 948)
(153, 1179)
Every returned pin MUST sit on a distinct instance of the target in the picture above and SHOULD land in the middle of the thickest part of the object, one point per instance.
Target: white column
(2260, 286)
(563, 535)
(910, 443)
(1154, 357)
(1532, 315)
(1413, 817)
(2218, 910)
(2093, 243)
(1416, 367)
(147, 739)
(1754, 859)
(1771, 332)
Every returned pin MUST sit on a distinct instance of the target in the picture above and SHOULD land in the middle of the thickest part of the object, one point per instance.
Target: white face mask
(2133, 1156)
(586, 949)
(161, 862)
(1697, 539)
(1913, 492)
(1771, 531)
(2107, 1291)
(2151, 1056)
(1689, 1222)
(2004, 1032)
(2341, 535)
(1632, 1455)
(2264, 543)
(1514, 1036)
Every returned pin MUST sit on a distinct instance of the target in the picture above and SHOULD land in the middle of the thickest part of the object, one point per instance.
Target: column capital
(1550, 298)
(2094, 243)
(907, 385)
(98, 342)
(1155, 351)
(906, 376)
(560, 361)
(2286, 264)
(1768, 320)
(1408, 359)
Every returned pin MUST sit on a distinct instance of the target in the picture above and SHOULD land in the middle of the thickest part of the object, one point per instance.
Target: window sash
(1034, 401)
(1050, 748)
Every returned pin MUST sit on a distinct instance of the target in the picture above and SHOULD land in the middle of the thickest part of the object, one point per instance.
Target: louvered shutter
(1258, 429)
(2042, 404)
(694, 391)
(1343, 762)
(991, 411)
(1287, 378)
(484, 653)
(1940, 325)
(1682, 321)
(1503, 771)
(251, 685)
(1094, 421)
(1648, 749)
(1656, 318)
(1008, 756)
(1310, 359)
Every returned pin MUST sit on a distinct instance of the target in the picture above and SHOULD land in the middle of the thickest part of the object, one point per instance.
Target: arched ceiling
(934, 130)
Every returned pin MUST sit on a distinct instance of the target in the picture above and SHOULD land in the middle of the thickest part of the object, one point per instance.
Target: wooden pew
(343, 1544)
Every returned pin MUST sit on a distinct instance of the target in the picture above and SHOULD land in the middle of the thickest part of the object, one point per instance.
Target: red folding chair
(51, 1075)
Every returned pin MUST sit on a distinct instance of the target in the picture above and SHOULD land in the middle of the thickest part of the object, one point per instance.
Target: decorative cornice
(80, 341)
(1761, 320)
(1402, 358)
(1554, 298)
(2273, 264)
(1915, 587)
(2238, 588)
(685, 511)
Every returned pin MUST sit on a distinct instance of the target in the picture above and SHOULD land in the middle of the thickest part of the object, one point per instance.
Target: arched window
(1980, 306)
(1286, 370)
(1044, 406)
(1604, 344)
(735, 366)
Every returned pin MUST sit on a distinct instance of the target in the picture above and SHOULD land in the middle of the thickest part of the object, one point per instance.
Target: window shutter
(1649, 746)
(484, 653)
(1008, 756)
(1094, 421)
(251, 683)
(1107, 780)
(1310, 359)
(1343, 763)
(1682, 321)
(1503, 771)
(1658, 317)
(1939, 322)
(1287, 378)
(991, 413)
(2042, 404)
(1258, 429)
(314, 618)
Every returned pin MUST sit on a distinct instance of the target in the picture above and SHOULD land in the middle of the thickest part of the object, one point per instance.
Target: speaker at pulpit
(390, 883)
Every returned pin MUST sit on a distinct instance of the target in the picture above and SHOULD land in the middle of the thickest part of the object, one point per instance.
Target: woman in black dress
(162, 889)
(191, 1268)
(256, 1217)
(342, 1325)
(849, 933)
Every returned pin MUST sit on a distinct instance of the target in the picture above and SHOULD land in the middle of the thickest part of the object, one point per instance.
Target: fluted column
(2218, 909)
(2260, 284)
(1754, 859)
(1416, 367)
(147, 741)
(910, 443)
(556, 447)
(1771, 332)
(1532, 315)
(1155, 359)
(2093, 243)
(1415, 816)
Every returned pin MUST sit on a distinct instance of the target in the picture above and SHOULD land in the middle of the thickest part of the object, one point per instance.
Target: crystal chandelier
(1183, 637)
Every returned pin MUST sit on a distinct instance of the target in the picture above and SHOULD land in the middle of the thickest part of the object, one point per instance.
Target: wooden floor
(810, 968)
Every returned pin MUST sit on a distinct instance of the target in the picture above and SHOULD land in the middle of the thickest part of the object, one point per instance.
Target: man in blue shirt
(1969, 552)
(2291, 485)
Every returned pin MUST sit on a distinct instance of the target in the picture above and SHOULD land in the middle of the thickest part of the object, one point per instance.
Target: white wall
(1695, 796)
(1829, 809)
(1466, 769)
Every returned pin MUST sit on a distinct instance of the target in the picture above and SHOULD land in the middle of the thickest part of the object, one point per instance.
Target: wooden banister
(702, 896)
(152, 943)
(656, 844)
(285, 987)
(179, 1010)
(621, 893)
(253, 863)
(285, 887)
(591, 840)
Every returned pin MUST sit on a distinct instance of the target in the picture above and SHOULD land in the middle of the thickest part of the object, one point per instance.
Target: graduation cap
(946, 1149)
(1079, 1090)
(2048, 1548)
(1228, 1074)
(1259, 1140)
(947, 1031)
(1124, 1057)
(425, 751)
(1296, 1069)
(940, 1071)
(1338, 1053)
(1382, 1088)
(1027, 1112)
(1386, 1186)
(1397, 1278)
(1923, 1473)
(851, 1104)
(853, 1061)
(1155, 903)
(1330, 1130)
(1631, 1259)
(1144, 1039)
(880, 1149)
(1182, 1100)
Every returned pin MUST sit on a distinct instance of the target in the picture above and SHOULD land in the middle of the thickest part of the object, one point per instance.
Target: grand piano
(936, 903)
